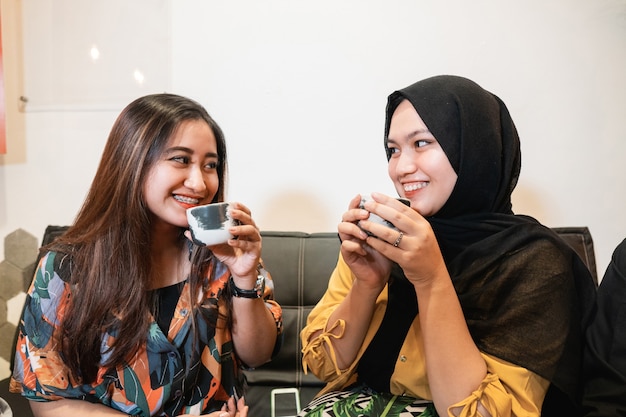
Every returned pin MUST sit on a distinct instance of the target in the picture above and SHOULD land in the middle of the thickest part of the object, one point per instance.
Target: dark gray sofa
(300, 264)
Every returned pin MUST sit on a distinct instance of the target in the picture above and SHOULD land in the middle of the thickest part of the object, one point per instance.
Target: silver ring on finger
(398, 240)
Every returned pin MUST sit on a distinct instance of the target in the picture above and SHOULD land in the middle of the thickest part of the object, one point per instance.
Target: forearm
(356, 310)
(67, 407)
(454, 364)
(254, 331)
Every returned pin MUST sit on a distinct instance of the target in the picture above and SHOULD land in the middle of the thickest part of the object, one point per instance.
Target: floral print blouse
(174, 373)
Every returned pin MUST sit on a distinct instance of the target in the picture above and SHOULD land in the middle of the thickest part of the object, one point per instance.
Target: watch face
(260, 285)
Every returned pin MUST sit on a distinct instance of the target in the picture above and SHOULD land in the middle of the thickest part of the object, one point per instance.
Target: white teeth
(415, 186)
(187, 200)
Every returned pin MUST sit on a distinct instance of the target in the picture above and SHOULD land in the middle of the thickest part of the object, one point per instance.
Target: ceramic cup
(209, 224)
(376, 218)
(5, 409)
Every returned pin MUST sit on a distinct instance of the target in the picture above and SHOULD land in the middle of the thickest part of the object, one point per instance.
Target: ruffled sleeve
(507, 390)
(323, 343)
(318, 354)
(270, 303)
(39, 372)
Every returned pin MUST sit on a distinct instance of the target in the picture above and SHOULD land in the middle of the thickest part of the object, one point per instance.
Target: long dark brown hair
(109, 241)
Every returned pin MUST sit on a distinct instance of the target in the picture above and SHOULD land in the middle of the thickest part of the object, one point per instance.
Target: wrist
(365, 291)
(257, 290)
(435, 284)
(243, 282)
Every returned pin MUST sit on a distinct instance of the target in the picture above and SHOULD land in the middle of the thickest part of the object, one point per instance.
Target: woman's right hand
(368, 265)
(232, 409)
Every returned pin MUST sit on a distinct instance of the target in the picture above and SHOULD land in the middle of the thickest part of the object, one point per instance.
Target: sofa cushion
(300, 264)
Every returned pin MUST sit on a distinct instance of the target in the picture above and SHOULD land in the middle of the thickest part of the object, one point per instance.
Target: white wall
(300, 88)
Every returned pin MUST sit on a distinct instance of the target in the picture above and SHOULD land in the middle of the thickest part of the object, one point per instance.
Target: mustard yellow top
(507, 390)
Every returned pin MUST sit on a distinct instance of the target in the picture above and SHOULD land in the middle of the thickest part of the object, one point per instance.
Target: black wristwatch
(256, 292)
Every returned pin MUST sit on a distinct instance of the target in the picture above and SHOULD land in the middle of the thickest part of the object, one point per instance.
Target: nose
(195, 179)
(406, 163)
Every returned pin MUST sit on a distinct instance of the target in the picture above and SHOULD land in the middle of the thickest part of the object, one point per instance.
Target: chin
(424, 211)
(180, 222)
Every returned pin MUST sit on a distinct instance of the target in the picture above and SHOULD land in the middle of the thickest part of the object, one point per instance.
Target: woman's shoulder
(619, 257)
(53, 263)
(613, 283)
(536, 234)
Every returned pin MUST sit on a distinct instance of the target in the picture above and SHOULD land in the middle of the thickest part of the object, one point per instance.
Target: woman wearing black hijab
(465, 306)
(605, 356)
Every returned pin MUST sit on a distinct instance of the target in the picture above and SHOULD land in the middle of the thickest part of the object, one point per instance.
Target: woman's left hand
(241, 254)
(413, 246)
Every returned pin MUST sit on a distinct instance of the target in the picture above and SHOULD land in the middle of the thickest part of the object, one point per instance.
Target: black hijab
(477, 134)
(526, 295)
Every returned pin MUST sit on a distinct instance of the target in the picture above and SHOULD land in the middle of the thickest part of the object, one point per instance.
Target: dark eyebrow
(411, 135)
(188, 151)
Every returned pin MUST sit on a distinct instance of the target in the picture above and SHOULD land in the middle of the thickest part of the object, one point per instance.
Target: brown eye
(180, 159)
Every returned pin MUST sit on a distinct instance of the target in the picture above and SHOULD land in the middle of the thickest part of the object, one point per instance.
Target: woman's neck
(170, 259)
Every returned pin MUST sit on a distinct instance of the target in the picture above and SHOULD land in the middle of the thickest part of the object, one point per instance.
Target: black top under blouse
(166, 299)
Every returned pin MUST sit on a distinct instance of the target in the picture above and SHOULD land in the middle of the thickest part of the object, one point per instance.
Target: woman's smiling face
(185, 174)
(418, 166)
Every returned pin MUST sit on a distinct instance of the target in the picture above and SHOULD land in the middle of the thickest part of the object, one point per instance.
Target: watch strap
(256, 292)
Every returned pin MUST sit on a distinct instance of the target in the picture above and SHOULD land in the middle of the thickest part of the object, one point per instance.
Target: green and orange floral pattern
(172, 374)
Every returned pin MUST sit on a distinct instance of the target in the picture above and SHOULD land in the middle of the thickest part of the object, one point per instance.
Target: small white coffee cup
(209, 224)
(5, 409)
(376, 218)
